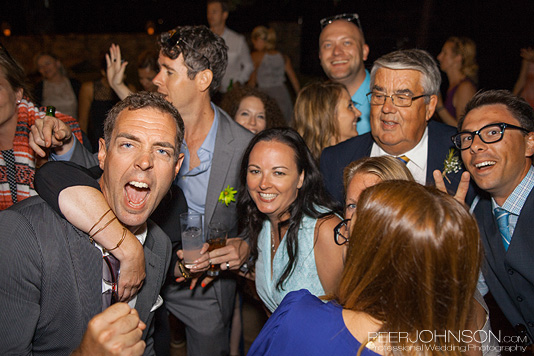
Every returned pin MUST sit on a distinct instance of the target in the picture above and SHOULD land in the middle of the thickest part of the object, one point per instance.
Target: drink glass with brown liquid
(217, 235)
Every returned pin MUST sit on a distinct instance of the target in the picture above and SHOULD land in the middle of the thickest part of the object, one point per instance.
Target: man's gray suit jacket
(51, 280)
(230, 144)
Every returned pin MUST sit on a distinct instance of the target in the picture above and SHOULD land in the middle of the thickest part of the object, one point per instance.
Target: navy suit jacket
(334, 159)
(510, 274)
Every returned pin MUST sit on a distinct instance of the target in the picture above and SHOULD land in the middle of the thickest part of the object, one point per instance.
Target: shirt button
(519, 299)
(530, 323)
(510, 272)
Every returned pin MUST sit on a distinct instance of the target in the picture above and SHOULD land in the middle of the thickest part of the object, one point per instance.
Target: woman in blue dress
(288, 218)
(411, 271)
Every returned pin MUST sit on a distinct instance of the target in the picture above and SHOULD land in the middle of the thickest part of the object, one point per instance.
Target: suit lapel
(222, 159)
(87, 266)
(153, 281)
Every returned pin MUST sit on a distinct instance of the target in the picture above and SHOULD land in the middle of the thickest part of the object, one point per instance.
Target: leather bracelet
(91, 238)
(98, 222)
(119, 243)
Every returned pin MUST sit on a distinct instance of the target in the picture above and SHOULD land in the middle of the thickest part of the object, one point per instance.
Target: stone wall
(81, 53)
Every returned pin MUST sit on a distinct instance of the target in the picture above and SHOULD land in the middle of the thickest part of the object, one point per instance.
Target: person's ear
(204, 79)
(102, 153)
(529, 149)
(365, 52)
(19, 94)
(431, 106)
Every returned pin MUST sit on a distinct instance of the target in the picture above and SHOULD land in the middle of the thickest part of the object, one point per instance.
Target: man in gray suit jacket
(497, 143)
(52, 283)
(193, 61)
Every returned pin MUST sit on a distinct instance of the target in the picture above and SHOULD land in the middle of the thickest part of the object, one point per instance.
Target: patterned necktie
(110, 275)
(502, 221)
(403, 159)
(9, 158)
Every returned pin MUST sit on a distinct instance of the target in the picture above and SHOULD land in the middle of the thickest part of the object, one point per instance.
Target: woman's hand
(115, 72)
(50, 133)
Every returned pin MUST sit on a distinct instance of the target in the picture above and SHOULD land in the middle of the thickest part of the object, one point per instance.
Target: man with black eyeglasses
(496, 139)
(403, 97)
(342, 51)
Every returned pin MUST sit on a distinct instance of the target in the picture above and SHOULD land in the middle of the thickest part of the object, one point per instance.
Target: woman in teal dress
(407, 287)
(288, 218)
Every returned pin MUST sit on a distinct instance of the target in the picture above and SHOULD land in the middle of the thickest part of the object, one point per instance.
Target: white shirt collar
(418, 157)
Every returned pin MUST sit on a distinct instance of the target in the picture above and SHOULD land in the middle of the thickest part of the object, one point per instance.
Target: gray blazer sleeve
(20, 284)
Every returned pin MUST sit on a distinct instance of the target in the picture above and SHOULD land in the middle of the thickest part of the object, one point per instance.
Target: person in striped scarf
(17, 115)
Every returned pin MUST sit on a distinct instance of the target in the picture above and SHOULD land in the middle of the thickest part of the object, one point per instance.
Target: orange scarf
(24, 155)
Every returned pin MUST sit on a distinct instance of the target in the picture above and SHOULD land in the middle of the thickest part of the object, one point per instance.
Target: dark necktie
(110, 275)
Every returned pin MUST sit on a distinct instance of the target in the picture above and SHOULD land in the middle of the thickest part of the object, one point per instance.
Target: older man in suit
(497, 143)
(403, 97)
(56, 278)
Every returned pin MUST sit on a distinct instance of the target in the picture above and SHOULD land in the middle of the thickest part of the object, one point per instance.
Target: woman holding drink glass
(287, 217)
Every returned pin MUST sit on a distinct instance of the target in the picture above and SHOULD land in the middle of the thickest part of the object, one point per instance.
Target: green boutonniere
(227, 195)
(451, 164)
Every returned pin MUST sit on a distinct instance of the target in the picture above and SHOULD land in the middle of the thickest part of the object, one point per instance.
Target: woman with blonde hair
(411, 269)
(366, 172)
(325, 115)
(458, 60)
(270, 68)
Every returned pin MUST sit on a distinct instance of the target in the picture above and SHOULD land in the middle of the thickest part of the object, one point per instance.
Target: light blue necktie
(502, 221)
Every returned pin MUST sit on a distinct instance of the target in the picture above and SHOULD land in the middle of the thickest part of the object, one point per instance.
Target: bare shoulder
(325, 227)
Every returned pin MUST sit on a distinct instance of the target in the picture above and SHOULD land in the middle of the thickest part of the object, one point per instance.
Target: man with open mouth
(496, 139)
(56, 277)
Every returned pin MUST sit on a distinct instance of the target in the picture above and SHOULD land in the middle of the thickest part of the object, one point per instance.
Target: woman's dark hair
(310, 197)
(232, 99)
(13, 72)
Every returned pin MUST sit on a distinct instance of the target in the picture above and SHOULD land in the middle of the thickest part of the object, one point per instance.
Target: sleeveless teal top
(304, 275)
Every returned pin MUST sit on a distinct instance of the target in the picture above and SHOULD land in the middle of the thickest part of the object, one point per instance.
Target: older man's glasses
(176, 40)
(400, 100)
(341, 232)
(354, 18)
(488, 134)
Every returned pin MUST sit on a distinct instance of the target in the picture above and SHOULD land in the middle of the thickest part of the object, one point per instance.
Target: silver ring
(209, 261)
(227, 265)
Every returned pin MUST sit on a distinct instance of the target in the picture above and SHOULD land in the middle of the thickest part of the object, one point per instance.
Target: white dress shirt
(417, 155)
(240, 64)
